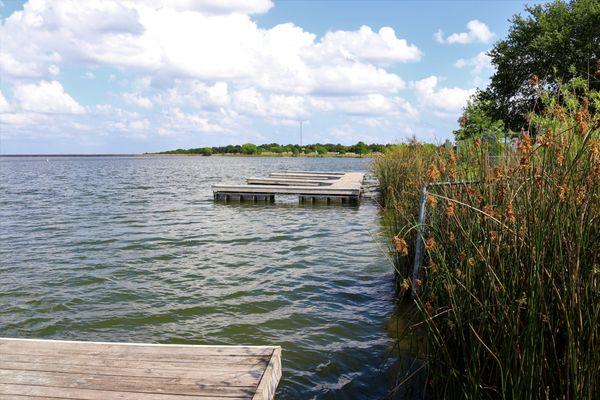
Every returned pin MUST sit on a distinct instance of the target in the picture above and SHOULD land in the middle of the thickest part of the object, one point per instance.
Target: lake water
(135, 249)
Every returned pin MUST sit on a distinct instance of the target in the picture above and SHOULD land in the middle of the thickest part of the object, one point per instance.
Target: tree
(206, 151)
(322, 150)
(477, 122)
(361, 148)
(556, 41)
(249, 148)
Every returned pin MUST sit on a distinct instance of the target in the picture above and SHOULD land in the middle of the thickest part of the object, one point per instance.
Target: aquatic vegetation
(509, 294)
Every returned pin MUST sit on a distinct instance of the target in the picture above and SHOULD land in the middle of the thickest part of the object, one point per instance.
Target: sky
(133, 76)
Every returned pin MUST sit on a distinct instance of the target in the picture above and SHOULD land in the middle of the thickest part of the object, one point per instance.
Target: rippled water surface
(135, 249)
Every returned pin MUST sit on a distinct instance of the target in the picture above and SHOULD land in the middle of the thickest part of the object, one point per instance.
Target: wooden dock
(33, 369)
(310, 186)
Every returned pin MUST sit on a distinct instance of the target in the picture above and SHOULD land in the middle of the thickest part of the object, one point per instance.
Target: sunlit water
(135, 249)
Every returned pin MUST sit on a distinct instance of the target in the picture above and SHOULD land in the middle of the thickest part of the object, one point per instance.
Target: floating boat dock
(33, 369)
(310, 186)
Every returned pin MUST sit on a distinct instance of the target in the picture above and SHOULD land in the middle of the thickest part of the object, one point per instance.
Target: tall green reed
(510, 306)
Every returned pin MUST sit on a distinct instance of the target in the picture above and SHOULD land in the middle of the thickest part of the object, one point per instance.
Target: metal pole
(300, 133)
(419, 242)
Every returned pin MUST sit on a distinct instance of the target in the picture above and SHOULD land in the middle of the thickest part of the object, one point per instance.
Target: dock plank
(313, 185)
(39, 369)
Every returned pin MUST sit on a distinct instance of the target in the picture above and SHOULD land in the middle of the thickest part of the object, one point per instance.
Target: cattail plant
(510, 306)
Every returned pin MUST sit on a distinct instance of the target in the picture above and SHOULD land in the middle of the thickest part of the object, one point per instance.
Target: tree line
(359, 148)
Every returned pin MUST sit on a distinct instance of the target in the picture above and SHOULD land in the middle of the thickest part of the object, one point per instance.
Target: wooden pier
(33, 369)
(310, 186)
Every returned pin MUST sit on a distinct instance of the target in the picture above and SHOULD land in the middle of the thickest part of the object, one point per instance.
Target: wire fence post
(416, 273)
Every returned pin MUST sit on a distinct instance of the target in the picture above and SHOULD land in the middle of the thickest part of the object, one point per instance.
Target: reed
(510, 302)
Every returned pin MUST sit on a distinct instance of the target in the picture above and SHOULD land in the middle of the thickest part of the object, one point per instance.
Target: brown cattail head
(431, 200)
(450, 210)
(430, 244)
(433, 173)
(405, 285)
(534, 81)
(400, 246)
(510, 213)
(525, 143)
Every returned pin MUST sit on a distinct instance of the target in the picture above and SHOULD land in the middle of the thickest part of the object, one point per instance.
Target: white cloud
(178, 122)
(89, 75)
(4, 106)
(477, 31)
(156, 37)
(382, 48)
(194, 93)
(374, 105)
(251, 102)
(215, 6)
(54, 70)
(442, 101)
(137, 100)
(205, 66)
(22, 119)
(46, 97)
(478, 65)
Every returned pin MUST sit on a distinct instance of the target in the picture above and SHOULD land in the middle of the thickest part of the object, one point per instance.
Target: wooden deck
(309, 185)
(50, 369)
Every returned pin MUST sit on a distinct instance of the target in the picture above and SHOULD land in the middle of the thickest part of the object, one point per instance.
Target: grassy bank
(509, 303)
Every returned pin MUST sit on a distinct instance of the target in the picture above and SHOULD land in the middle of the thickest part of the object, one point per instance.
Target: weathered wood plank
(7, 344)
(270, 379)
(242, 363)
(214, 378)
(88, 394)
(285, 182)
(42, 369)
(132, 356)
(124, 383)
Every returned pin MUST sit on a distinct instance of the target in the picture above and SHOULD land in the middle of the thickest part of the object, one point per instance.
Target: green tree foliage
(361, 148)
(556, 41)
(477, 123)
(250, 148)
(322, 150)
(294, 149)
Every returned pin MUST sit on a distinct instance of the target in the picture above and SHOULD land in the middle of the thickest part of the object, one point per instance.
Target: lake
(134, 249)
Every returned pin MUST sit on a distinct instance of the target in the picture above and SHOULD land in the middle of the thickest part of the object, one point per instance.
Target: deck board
(39, 369)
(301, 183)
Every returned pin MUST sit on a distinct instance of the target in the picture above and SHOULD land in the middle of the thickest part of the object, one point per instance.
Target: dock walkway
(310, 186)
(33, 369)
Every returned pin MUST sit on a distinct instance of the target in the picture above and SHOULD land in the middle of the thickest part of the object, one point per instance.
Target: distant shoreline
(188, 155)
(70, 155)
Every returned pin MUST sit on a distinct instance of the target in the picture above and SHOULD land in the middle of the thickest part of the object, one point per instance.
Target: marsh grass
(510, 306)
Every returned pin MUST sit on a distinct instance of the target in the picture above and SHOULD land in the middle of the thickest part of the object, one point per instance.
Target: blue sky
(108, 76)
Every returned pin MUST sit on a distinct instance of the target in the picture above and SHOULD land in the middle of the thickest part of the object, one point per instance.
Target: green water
(135, 249)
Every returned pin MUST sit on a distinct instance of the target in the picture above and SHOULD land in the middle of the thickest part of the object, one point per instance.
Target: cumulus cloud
(203, 66)
(382, 48)
(164, 39)
(215, 6)
(196, 94)
(47, 97)
(442, 101)
(251, 102)
(478, 65)
(477, 31)
(4, 106)
(137, 100)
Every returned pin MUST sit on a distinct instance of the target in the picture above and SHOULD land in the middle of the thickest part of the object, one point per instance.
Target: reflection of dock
(310, 186)
(45, 369)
